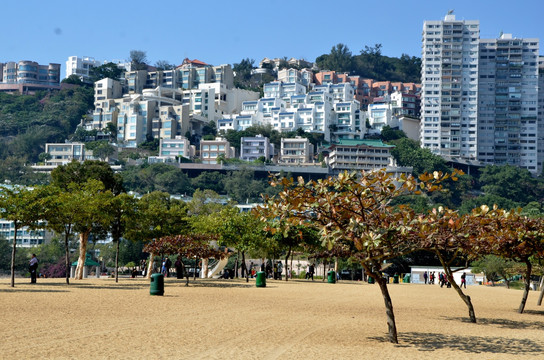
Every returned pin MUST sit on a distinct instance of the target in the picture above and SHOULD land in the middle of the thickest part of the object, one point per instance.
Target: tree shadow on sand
(14, 290)
(219, 284)
(504, 323)
(467, 344)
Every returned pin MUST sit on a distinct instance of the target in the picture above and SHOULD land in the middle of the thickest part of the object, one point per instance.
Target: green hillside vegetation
(371, 64)
(27, 122)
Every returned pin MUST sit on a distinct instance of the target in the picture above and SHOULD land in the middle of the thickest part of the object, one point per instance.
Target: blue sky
(220, 32)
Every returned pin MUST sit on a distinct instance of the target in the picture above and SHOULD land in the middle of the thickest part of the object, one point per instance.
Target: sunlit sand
(232, 319)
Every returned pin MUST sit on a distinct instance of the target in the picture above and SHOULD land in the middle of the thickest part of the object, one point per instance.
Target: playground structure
(212, 270)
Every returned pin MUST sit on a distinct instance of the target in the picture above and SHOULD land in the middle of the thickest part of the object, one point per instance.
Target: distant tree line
(371, 64)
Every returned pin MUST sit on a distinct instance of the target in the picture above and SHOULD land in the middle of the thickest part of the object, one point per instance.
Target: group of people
(429, 278)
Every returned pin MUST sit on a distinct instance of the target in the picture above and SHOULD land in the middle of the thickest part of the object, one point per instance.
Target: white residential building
(25, 236)
(81, 66)
(360, 154)
(253, 148)
(449, 97)
(297, 150)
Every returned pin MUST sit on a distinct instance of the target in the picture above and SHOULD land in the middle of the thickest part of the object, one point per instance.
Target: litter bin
(261, 279)
(370, 280)
(157, 284)
(395, 279)
(406, 279)
(331, 277)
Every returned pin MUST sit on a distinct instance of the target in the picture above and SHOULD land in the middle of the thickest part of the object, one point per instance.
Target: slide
(220, 265)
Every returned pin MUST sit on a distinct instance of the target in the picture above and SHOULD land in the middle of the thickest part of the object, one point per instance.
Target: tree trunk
(539, 302)
(150, 266)
(391, 325)
(324, 271)
(205, 268)
(244, 267)
(464, 297)
(236, 264)
(13, 251)
(527, 286)
(291, 267)
(67, 254)
(117, 262)
(286, 262)
(83, 239)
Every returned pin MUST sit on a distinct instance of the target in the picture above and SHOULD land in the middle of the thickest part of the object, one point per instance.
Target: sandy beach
(232, 319)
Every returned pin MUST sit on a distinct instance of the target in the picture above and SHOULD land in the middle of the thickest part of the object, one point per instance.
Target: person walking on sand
(464, 280)
(33, 268)
(179, 268)
(280, 270)
(311, 272)
(425, 277)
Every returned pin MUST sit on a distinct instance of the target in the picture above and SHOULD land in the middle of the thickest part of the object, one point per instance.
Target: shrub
(57, 270)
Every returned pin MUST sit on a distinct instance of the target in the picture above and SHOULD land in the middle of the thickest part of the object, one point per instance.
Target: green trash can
(370, 280)
(331, 277)
(406, 279)
(261, 279)
(157, 284)
(395, 279)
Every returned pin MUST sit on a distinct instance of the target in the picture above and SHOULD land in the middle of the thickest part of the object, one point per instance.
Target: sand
(232, 319)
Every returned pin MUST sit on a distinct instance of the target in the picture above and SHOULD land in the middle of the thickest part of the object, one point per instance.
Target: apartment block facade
(212, 150)
(360, 154)
(28, 77)
(297, 150)
(81, 66)
(253, 148)
(449, 97)
(508, 102)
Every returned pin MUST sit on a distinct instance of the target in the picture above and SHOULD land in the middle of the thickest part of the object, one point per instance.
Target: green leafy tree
(123, 209)
(510, 182)
(109, 70)
(211, 180)
(241, 186)
(157, 216)
(339, 59)
(354, 217)
(78, 173)
(72, 79)
(494, 268)
(19, 205)
(389, 134)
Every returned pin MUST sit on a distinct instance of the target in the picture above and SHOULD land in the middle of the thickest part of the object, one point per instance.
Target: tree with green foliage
(494, 268)
(72, 79)
(123, 209)
(487, 199)
(407, 152)
(212, 180)
(389, 134)
(243, 70)
(94, 202)
(511, 182)
(109, 70)
(339, 59)
(19, 205)
(354, 216)
(242, 231)
(157, 216)
(79, 173)
(242, 187)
